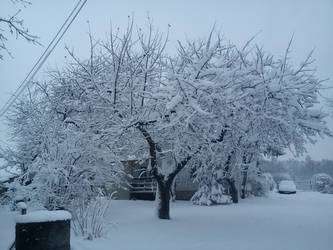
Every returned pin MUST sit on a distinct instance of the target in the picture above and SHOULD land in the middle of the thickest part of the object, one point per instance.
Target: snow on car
(287, 187)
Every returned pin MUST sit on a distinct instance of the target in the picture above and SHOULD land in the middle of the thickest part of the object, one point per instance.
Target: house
(142, 185)
(6, 177)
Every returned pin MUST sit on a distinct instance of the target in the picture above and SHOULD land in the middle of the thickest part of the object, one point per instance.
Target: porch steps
(143, 188)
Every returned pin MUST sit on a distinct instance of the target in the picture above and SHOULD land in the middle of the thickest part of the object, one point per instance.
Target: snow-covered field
(281, 222)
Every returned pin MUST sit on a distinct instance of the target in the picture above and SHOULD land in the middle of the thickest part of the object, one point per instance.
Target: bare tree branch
(14, 26)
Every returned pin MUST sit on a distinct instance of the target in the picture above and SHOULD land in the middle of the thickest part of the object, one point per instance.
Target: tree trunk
(173, 190)
(233, 190)
(163, 209)
(244, 181)
(164, 184)
(245, 174)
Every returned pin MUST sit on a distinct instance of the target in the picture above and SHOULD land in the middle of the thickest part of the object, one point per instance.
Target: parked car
(287, 187)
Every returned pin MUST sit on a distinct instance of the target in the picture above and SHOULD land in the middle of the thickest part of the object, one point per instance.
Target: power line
(56, 39)
(45, 51)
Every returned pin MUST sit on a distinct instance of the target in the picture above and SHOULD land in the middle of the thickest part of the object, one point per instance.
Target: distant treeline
(298, 169)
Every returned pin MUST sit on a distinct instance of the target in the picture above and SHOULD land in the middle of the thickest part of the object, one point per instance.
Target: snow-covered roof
(43, 216)
(6, 174)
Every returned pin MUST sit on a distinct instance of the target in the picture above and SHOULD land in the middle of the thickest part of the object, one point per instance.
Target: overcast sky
(310, 22)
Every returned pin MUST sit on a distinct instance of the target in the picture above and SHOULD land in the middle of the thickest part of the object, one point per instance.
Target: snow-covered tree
(213, 107)
(69, 130)
(273, 109)
(56, 154)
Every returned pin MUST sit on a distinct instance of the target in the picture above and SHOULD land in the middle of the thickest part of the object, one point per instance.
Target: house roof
(6, 174)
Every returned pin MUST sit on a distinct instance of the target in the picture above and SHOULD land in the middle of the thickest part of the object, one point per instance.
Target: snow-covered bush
(270, 180)
(53, 187)
(320, 181)
(211, 194)
(88, 217)
(328, 188)
(258, 186)
(4, 199)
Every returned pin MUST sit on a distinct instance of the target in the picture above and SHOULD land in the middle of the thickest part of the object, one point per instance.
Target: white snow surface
(43, 216)
(303, 221)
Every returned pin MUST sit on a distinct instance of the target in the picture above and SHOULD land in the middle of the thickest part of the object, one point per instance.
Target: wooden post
(22, 207)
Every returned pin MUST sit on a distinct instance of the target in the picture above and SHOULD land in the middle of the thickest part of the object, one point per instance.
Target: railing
(303, 185)
(143, 185)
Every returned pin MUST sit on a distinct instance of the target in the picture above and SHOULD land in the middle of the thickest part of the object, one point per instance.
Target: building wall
(184, 185)
(184, 181)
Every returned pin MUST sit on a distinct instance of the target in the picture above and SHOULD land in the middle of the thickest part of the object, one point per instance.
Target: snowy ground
(281, 222)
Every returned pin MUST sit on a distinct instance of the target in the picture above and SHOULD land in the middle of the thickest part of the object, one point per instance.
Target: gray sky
(310, 22)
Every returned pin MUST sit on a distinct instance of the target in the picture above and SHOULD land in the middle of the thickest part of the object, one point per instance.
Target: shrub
(270, 181)
(258, 186)
(320, 181)
(211, 194)
(328, 188)
(89, 217)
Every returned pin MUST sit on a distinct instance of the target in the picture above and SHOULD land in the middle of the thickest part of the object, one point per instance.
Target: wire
(25, 83)
(44, 53)
(47, 55)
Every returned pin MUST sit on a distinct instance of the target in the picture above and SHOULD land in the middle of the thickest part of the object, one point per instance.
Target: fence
(303, 185)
